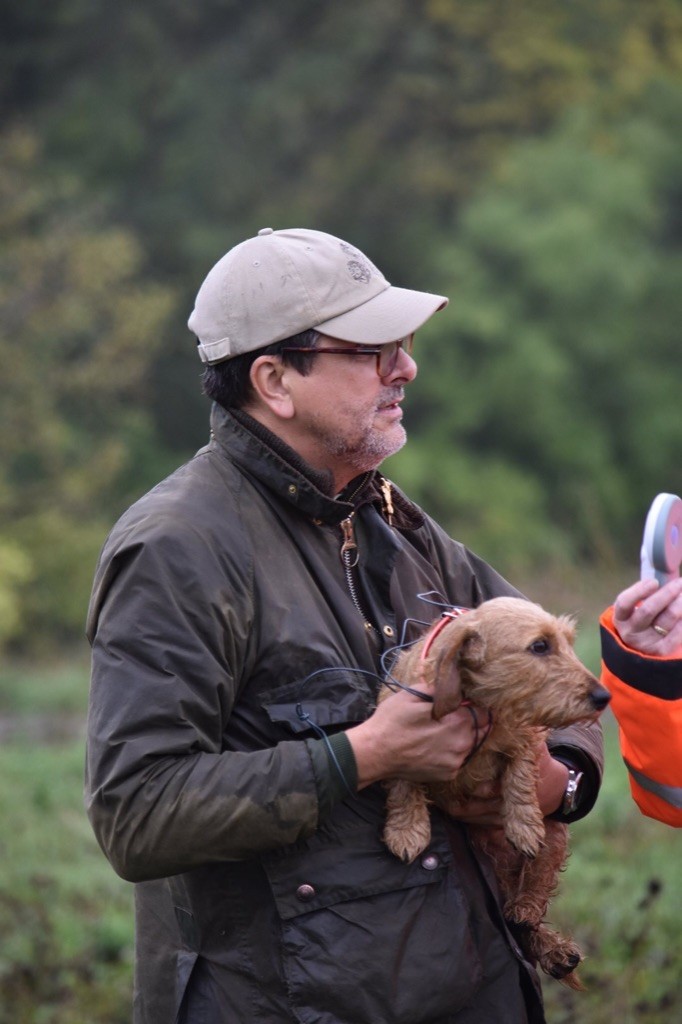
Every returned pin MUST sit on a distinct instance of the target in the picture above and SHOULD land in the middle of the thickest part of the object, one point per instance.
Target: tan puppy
(513, 659)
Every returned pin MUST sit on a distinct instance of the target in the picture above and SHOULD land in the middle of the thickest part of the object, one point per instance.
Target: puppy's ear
(447, 686)
(472, 650)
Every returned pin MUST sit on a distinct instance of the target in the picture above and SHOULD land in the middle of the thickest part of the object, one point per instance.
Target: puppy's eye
(539, 647)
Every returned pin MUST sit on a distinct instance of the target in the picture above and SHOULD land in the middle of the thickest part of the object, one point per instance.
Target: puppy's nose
(599, 698)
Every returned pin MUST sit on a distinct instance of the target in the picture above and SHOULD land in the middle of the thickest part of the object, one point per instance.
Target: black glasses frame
(386, 355)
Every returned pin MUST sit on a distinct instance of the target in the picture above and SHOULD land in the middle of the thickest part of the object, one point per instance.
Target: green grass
(621, 897)
(66, 920)
(28, 690)
(66, 928)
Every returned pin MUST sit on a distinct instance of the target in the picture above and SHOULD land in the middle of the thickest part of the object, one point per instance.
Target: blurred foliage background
(522, 156)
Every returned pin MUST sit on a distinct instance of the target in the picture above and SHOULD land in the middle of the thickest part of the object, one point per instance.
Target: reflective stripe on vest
(671, 794)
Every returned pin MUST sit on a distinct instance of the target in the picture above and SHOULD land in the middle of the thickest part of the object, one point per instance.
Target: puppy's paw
(527, 839)
(408, 825)
(523, 911)
(557, 956)
(561, 962)
(407, 844)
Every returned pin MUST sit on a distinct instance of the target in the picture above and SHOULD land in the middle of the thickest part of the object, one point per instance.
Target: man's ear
(269, 380)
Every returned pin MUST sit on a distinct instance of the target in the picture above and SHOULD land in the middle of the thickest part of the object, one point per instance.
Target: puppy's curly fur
(515, 660)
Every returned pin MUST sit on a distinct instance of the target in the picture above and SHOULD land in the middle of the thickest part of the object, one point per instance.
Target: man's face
(347, 418)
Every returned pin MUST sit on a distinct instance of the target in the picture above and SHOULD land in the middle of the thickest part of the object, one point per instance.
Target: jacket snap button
(305, 893)
(430, 861)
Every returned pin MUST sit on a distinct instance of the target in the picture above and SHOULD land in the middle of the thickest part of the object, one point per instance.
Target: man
(239, 616)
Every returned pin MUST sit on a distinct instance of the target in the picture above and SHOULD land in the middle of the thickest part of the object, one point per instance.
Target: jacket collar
(263, 456)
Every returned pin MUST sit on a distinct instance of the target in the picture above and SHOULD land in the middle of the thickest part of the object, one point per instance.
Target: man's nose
(404, 371)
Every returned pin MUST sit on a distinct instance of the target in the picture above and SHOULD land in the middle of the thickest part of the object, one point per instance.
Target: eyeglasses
(386, 355)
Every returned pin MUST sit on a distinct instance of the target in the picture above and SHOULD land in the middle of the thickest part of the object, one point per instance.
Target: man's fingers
(628, 600)
(646, 600)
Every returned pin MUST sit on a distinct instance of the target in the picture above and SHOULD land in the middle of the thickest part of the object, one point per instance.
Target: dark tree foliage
(139, 141)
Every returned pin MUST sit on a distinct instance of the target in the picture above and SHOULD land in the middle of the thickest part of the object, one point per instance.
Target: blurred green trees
(557, 370)
(524, 157)
(79, 328)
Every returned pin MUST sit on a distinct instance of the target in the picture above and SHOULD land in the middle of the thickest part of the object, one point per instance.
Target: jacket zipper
(349, 558)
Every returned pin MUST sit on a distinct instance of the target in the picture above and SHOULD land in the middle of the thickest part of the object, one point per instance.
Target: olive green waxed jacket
(226, 632)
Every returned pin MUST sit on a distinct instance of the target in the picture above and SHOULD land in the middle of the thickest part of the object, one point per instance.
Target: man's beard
(368, 448)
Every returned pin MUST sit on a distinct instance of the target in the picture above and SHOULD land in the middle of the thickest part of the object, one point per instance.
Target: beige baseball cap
(283, 282)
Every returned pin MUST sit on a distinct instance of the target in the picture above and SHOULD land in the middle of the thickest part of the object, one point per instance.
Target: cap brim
(392, 314)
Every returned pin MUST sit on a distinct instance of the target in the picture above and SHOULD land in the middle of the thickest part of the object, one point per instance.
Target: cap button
(266, 231)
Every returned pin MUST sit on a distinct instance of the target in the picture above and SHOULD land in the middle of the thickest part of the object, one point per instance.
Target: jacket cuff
(649, 673)
(344, 770)
(336, 773)
(578, 760)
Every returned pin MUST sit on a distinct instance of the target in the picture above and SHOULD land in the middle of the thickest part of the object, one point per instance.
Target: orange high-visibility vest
(647, 704)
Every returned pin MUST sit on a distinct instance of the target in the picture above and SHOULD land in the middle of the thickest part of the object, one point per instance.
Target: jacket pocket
(366, 938)
(330, 698)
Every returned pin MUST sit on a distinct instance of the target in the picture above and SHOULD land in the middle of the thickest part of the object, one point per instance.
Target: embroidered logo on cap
(359, 267)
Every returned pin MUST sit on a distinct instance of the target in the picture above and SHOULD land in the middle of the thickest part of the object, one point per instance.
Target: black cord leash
(305, 717)
(479, 740)
(389, 679)
(431, 597)
(394, 684)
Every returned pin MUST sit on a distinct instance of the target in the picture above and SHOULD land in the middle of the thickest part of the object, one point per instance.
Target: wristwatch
(572, 792)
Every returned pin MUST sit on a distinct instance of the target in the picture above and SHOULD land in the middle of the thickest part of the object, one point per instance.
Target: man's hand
(552, 780)
(485, 808)
(402, 740)
(648, 617)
